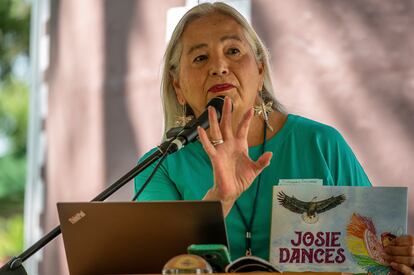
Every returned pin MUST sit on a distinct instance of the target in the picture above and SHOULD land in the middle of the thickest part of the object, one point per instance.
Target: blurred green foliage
(14, 101)
(14, 33)
(11, 235)
(12, 182)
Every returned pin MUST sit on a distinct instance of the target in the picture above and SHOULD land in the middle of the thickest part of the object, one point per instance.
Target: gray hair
(172, 56)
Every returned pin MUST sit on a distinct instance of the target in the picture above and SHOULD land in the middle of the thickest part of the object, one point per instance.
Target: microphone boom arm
(187, 135)
(14, 266)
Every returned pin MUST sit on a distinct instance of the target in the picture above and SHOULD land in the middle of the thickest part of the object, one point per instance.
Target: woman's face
(216, 59)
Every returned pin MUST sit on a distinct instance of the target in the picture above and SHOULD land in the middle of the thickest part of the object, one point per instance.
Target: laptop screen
(135, 237)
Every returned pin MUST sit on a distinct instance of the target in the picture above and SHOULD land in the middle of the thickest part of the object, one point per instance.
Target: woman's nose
(219, 67)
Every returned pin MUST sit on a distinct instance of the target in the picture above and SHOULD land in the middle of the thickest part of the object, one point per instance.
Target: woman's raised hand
(233, 169)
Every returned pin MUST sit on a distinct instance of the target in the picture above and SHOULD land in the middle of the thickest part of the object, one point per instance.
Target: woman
(214, 51)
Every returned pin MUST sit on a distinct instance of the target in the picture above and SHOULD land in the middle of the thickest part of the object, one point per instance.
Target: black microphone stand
(180, 138)
(15, 267)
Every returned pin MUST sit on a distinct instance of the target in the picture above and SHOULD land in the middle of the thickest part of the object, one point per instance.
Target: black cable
(152, 173)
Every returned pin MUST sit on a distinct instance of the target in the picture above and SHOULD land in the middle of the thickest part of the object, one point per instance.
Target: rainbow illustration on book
(366, 246)
(335, 229)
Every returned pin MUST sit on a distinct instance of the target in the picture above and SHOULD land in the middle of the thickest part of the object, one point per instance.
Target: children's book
(335, 229)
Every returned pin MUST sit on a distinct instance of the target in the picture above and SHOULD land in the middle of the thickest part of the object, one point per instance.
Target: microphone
(189, 133)
(184, 136)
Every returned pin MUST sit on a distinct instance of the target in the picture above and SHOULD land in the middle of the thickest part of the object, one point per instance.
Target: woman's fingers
(401, 254)
(263, 161)
(208, 147)
(405, 260)
(404, 269)
(225, 123)
(215, 132)
(407, 240)
(406, 250)
(224, 129)
(243, 127)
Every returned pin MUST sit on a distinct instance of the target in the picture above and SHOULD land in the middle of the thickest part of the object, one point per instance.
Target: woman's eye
(233, 51)
(200, 58)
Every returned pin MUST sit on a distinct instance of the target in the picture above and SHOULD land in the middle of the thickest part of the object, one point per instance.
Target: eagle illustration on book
(365, 247)
(309, 209)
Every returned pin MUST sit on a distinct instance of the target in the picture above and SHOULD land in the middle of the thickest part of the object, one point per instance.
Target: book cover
(335, 229)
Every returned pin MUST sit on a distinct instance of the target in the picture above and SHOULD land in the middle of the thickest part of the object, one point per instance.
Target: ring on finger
(216, 141)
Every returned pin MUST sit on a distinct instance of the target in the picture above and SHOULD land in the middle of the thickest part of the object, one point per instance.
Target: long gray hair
(172, 56)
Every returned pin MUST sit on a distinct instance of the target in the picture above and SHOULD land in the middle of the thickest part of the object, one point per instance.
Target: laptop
(135, 237)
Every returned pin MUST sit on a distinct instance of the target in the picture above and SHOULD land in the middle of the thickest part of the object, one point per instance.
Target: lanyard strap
(249, 226)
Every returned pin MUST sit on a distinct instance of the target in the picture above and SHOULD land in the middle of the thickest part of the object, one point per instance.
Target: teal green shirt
(302, 149)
